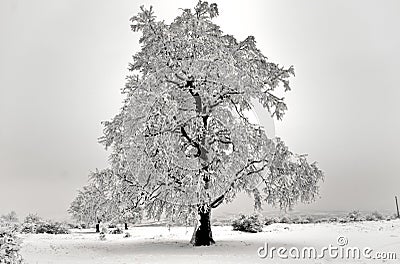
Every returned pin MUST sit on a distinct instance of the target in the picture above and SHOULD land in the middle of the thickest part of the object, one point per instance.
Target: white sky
(62, 64)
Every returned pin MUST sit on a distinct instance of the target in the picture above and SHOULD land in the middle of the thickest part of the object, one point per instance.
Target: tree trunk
(126, 226)
(98, 227)
(203, 234)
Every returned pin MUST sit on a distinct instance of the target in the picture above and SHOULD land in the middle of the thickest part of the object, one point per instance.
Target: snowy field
(155, 244)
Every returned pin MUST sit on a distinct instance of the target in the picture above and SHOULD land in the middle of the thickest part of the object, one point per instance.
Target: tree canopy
(105, 199)
(181, 138)
(181, 142)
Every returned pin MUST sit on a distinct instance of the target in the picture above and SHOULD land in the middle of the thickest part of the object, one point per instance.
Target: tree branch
(220, 198)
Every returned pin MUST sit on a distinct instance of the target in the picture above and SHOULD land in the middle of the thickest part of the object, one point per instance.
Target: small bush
(9, 222)
(248, 223)
(303, 220)
(322, 220)
(9, 247)
(392, 217)
(32, 218)
(354, 216)
(68, 225)
(310, 219)
(371, 217)
(378, 215)
(30, 224)
(79, 226)
(333, 219)
(285, 220)
(271, 220)
(28, 228)
(103, 229)
(52, 228)
(10, 217)
(299, 220)
(127, 234)
(44, 227)
(116, 231)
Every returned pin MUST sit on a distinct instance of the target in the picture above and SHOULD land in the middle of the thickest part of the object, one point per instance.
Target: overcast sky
(62, 64)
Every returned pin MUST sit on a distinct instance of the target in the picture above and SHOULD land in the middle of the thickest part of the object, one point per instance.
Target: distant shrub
(354, 216)
(52, 228)
(12, 226)
(44, 227)
(28, 228)
(392, 217)
(271, 220)
(301, 220)
(32, 218)
(10, 222)
(322, 220)
(30, 223)
(333, 220)
(370, 217)
(295, 220)
(298, 220)
(378, 216)
(102, 236)
(116, 230)
(103, 229)
(127, 234)
(9, 218)
(9, 247)
(285, 220)
(289, 220)
(68, 225)
(80, 226)
(248, 223)
(310, 219)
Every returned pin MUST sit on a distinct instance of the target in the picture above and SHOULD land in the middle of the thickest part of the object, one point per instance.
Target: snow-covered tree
(182, 143)
(93, 202)
(104, 199)
(11, 217)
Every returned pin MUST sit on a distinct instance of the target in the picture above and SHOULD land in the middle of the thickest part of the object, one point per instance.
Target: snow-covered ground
(155, 244)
